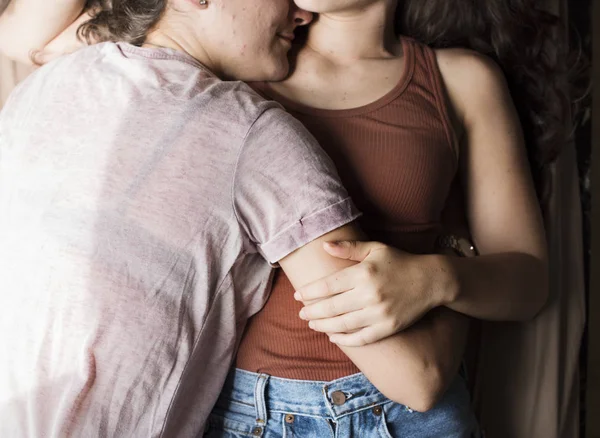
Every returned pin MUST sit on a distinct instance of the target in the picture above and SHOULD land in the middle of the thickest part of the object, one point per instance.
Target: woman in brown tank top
(400, 120)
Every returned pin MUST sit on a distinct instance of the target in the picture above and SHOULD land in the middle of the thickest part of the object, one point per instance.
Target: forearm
(416, 366)
(28, 25)
(501, 287)
(413, 367)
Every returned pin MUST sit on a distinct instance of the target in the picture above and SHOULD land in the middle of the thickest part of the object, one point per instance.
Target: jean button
(377, 410)
(338, 398)
(289, 418)
(257, 431)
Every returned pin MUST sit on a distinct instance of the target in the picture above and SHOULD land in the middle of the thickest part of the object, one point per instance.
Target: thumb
(350, 249)
(41, 57)
(37, 57)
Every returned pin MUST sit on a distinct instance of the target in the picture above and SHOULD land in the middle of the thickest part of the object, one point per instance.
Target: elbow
(22, 55)
(25, 30)
(424, 403)
(431, 388)
(420, 392)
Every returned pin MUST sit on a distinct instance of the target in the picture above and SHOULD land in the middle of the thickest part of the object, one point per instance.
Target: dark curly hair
(530, 45)
(121, 20)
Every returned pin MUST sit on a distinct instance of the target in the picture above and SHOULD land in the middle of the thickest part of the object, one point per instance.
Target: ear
(196, 4)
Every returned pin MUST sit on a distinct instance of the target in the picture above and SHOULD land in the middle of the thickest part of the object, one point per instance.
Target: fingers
(66, 42)
(362, 337)
(347, 302)
(41, 57)
(353, 321)
(351, 249)
(37, 57)
(346, 279)
(345, 323)
(334, 284)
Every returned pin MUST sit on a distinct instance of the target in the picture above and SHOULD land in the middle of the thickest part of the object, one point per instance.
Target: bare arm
(509, 280)
(413, 367)
(29, 25)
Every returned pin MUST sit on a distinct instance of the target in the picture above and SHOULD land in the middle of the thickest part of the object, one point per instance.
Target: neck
(364, 32)
(174, 37)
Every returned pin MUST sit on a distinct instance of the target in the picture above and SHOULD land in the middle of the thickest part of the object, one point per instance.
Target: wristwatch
(461, 246)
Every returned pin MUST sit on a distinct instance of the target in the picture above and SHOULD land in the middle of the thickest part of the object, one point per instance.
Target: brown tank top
(397, 157)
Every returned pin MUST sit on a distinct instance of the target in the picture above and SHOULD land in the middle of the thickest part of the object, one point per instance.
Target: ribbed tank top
(397, 157)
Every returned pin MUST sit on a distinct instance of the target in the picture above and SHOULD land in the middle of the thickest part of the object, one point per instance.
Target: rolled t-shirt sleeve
(286, 191)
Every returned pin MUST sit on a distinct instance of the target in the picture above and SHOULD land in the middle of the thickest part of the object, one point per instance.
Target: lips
(286, 36)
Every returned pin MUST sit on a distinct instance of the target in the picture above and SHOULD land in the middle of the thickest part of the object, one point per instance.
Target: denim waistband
(333, 399)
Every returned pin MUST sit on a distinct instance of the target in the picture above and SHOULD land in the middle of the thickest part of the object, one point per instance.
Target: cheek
(258, 44)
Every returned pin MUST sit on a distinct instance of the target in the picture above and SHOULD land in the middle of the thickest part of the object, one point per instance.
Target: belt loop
(260, 403)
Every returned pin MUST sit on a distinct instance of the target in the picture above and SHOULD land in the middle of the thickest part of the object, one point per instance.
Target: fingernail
(311, 324)
(332, 339)
(302, 314)
(297, 296)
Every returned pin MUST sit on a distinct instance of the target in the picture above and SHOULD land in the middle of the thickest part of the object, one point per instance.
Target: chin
(268, 72)
(280, 73)
(323, 6)
(315, 6)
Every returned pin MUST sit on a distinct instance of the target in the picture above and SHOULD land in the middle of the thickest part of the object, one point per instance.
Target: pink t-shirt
(141, 199)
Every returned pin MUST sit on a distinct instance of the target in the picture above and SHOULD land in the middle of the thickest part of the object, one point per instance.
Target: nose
(300, 16)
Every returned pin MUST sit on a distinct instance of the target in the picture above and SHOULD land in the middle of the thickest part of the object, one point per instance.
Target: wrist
(447, 281)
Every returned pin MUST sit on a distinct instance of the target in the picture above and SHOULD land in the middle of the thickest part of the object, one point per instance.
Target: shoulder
(277, 133)
(463, 66)
(276, 138)
(237, 103)
(472, 79)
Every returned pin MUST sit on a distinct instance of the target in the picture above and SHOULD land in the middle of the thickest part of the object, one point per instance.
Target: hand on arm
(279, 206)
(27, 26)
(66, 42)
(389, 289)
(413, 367)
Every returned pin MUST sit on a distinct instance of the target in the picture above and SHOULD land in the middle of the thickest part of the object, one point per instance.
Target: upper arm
(28, 25)
(286, 190)
(312, 262)
(501, 204)
(289, 200)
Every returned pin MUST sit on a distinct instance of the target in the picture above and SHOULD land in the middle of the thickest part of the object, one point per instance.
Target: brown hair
(530, 45)
(122, 20)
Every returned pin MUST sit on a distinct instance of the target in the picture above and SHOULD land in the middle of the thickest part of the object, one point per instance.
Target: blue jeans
(257, 405)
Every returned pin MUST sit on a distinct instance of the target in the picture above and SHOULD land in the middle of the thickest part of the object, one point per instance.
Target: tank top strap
(427, 76)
